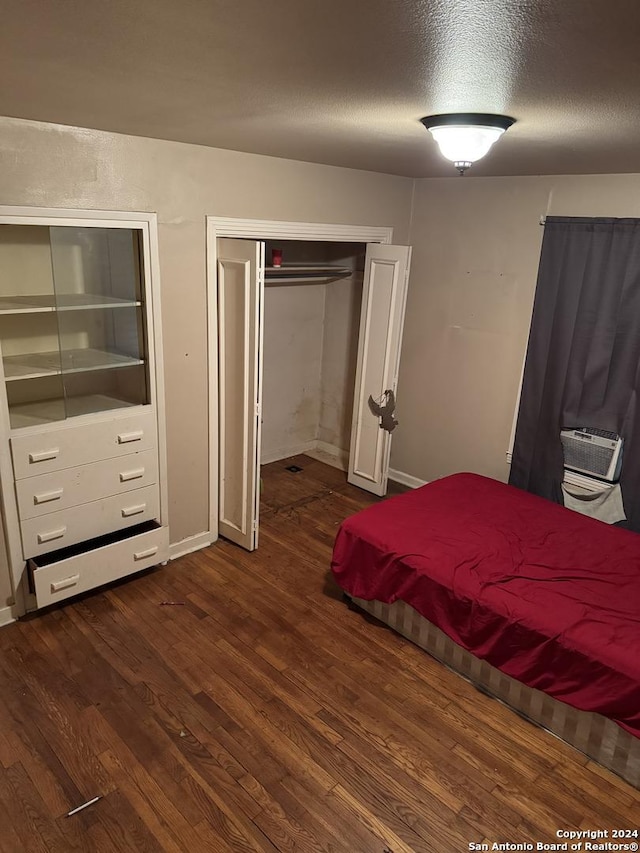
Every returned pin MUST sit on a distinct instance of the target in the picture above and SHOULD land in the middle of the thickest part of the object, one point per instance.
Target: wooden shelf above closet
(305, 273)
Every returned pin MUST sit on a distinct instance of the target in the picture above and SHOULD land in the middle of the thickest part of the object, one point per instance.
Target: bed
(536, 604)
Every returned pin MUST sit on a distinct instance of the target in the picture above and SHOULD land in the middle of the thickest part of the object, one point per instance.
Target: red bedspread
(544, 594)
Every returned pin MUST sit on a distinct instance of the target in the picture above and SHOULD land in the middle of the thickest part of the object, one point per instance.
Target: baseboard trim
(189, 545)
(7, 615)
(338, 458)
(286, 452)
(406, 479)
(331, 455)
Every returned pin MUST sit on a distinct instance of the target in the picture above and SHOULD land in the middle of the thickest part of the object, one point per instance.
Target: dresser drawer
(66, 573)
(50, 493)
(68, 447)
(77, 524)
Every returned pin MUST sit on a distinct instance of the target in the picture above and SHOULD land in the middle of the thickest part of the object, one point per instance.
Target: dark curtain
(583, 358)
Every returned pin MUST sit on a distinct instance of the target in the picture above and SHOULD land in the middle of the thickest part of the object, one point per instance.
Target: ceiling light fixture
(464, 138)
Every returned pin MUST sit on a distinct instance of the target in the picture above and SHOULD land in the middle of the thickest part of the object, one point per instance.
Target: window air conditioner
(593, 452)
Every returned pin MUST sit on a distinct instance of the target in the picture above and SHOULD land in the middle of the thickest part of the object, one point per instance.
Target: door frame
(257, 229)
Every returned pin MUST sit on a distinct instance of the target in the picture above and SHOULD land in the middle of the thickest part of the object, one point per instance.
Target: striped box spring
(594, 735)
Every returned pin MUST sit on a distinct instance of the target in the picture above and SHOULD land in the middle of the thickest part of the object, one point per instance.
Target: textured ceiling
(337, 81)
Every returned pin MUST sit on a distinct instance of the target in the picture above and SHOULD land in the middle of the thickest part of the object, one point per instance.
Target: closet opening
(312, 306)
(305, 327)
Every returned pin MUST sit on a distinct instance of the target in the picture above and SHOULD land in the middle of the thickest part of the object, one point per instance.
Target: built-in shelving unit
(71, 303)
(305, 273)
(82, 454)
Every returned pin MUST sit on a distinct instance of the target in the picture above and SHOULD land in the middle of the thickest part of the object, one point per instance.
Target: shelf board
(34, 304)
(31, 366)
(301, 273)
(34, 414)
(40, 364)
(48, 411)
(90, 403)
(90, 301)
(40, 304)
(82, 360)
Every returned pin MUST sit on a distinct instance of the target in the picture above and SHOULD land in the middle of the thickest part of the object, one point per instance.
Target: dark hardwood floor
(262, 714)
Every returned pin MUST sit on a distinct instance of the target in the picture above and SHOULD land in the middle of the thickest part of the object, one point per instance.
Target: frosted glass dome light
(464, 138)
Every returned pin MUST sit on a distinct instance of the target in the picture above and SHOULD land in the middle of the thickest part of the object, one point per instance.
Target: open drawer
(62, 574)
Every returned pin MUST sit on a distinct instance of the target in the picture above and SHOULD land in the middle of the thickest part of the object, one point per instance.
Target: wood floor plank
(11, 823)
(33, 746)
(334, 816)
(138, 740)
(200, 767)
(381, 826)
(229, 810)
(10, 750)
(282, 750)
(423, 810)
(261, 713)
(96, 839)
(123, 826)
(256, 672)
(261, 770)
(152, 803)
(354, 758)
(43, 635)
(37, 830)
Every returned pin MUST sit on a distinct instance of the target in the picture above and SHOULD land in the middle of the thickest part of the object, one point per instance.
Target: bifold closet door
(383, 301)
(240, 267)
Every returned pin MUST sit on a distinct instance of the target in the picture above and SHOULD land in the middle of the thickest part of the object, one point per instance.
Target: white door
(240, 267)
(383, 300)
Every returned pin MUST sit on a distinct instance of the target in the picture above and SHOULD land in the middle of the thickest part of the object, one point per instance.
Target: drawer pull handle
(142, 555)
(131, 475)
(45, 497)
(133, 510)
(51, 534)
(65, 583)
(43, 455)
(126, 437)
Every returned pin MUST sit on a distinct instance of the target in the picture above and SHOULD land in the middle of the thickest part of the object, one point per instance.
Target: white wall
(55, 166)
(310, 351)
(476, 246)
(339, 357)
(293, 329)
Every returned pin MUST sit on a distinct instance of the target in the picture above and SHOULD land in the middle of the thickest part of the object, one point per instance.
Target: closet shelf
(303, 273)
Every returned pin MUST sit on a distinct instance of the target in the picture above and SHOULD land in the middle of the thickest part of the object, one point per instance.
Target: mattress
(549, 597)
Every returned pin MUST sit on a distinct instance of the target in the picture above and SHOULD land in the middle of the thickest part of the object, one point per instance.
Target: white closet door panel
(240, 286)
(383, 302)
